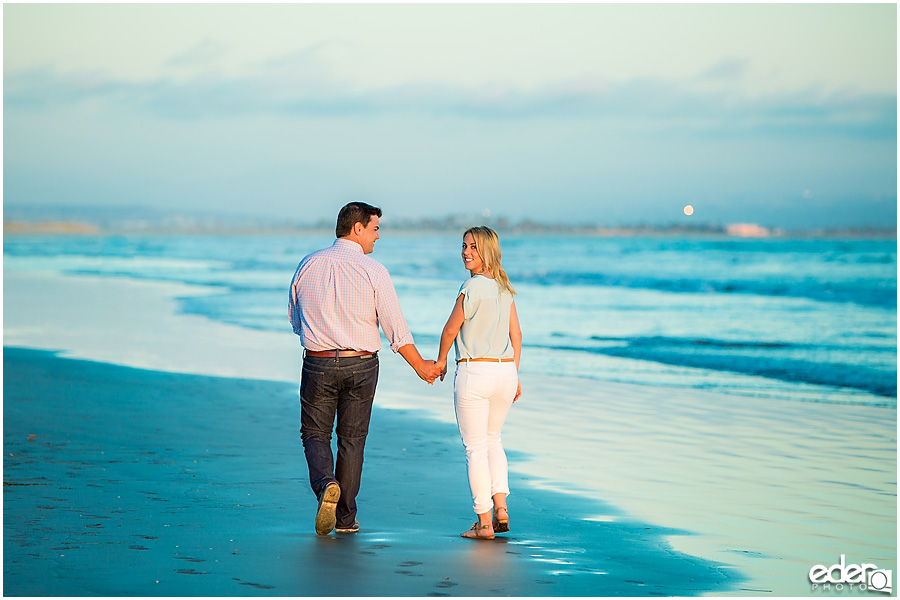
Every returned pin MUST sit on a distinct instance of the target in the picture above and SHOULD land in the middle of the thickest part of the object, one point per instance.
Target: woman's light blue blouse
(485, 332)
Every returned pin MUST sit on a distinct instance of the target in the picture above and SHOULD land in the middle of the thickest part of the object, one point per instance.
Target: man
(338, 298)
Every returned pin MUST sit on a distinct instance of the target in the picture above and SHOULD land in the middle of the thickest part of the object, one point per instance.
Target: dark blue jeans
(342, 388)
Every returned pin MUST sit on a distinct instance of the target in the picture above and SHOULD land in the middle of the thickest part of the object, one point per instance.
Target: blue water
(798, 320)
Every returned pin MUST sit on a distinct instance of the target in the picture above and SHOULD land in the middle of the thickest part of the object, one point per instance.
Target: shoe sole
(325, 518)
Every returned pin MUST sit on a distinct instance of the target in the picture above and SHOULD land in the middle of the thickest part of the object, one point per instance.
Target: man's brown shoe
(327, 504)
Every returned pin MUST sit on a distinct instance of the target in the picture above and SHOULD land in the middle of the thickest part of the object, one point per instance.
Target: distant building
(747, 230)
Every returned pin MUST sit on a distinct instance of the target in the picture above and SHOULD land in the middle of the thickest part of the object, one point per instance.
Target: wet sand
(121, 482)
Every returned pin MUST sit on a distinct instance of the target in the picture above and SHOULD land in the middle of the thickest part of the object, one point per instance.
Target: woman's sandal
(501, 524)
(475, 532)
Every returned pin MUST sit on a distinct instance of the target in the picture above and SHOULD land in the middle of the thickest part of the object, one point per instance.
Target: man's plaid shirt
(339, 297)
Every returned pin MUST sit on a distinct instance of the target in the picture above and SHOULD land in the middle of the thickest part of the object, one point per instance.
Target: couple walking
(338, 298)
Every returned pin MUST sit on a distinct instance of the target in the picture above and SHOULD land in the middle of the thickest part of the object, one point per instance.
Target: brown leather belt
(496, 360)
(337, 353)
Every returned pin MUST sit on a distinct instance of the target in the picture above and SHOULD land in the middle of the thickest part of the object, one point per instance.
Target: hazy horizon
(781, 115)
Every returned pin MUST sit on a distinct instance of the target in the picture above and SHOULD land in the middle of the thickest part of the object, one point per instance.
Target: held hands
(428, 372)
(425, 369)
(442, 364)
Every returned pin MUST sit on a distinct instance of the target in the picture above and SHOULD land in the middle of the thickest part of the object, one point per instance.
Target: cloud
(321, 60)
(300, 86)
(200, 55)
(730, 69)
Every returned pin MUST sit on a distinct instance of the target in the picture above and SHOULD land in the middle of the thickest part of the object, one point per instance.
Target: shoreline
(768, 487)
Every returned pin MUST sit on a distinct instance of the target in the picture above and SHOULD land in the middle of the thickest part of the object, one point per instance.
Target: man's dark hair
(353, 213)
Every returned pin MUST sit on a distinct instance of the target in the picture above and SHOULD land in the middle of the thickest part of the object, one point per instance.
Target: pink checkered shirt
(338, 298)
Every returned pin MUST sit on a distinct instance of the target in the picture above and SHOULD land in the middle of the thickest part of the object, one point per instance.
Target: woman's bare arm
(451, 330)
(515, 337)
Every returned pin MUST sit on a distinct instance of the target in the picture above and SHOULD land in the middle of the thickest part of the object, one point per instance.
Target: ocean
(798, 320)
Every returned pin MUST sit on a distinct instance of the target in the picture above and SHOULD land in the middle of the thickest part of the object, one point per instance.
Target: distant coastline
(49, 227)
(732, 230)
(136, 220)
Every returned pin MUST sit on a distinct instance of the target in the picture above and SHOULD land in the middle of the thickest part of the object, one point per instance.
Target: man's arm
(387, 310)
(425, 369)
(293, 307)
(390, 317)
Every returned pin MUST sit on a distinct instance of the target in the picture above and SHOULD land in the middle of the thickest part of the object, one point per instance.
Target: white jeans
(482, 395)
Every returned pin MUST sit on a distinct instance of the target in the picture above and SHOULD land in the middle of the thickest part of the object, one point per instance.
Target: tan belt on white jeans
(496, 360)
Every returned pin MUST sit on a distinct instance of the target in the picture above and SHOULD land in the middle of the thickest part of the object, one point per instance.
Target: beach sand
(617, 489)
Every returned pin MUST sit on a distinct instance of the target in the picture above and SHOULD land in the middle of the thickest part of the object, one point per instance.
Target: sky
(783, 115)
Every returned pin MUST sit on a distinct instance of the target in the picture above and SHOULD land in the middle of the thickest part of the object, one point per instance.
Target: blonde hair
(488, 245)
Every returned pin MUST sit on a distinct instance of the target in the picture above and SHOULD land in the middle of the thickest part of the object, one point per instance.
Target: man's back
(338, 298)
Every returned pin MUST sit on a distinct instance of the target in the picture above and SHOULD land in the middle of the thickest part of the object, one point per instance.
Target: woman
(484, 328)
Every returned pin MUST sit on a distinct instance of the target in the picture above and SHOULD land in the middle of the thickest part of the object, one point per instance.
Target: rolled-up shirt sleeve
(390, 317)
